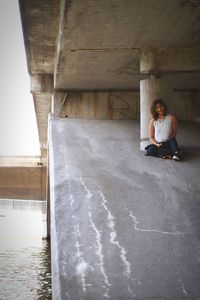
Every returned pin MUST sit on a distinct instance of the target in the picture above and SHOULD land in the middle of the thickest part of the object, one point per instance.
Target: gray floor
(124, 226)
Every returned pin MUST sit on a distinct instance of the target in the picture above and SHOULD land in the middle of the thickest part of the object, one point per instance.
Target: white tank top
(163, 129)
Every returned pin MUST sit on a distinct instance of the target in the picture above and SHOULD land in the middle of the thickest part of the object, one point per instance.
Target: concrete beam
(39, 23)
(41, 83)
(42, 102)
(42, 90)
(169, 60)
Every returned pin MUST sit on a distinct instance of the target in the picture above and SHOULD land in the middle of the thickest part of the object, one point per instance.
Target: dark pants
(167, 148)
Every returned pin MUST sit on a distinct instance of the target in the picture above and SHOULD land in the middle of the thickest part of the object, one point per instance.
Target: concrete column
(48, 195)
(48, 207)
(148, 61)
(150, 89)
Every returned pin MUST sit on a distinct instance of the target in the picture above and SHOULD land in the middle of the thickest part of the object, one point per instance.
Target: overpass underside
(75, 47)
(123, 226)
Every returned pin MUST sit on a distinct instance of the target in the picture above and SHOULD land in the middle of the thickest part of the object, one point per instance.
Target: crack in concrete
(136, 223)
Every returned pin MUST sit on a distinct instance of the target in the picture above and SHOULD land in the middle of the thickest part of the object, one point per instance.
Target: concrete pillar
(150, 89)
(148, 61)
(48, 207)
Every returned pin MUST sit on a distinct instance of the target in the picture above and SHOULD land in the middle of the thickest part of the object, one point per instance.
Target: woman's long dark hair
(153, 107)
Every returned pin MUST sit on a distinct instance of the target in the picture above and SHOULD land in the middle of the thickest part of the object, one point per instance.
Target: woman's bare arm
(152, 132)
(174, 126)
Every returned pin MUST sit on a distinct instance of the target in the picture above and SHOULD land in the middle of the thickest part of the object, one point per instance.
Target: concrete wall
(186, 105)
(23, 182)
(102, 105)
(125, 105)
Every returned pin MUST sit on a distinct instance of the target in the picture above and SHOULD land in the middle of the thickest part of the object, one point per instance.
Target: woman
(162, 132)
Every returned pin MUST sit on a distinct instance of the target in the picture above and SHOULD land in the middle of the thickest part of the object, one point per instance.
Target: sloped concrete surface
(124, 226)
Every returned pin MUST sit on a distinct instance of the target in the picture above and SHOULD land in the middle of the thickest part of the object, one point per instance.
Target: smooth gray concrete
(124, 226)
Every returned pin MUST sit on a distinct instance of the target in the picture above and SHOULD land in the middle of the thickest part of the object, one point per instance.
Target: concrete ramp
(123, 226)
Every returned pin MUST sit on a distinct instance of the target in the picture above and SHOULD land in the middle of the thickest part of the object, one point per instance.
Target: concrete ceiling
(96, 44)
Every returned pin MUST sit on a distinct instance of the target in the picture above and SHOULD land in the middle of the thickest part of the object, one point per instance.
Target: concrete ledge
(123, 226)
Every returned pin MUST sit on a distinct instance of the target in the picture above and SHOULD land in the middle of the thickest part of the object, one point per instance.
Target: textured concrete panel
(124, 226)
(94, 105)
(23, 183)
(187, 106)
(124, 105)
(40, 23)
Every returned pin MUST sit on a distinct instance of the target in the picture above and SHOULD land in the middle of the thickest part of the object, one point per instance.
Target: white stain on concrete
(64, 264)
(131, 292)
(99, 252)
(183, 287)
(113, 236)
(136, 226)
(71, 200)
(82, 265)
(88, 193)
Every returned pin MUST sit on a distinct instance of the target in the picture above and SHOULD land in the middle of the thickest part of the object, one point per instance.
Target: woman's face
(160, 110)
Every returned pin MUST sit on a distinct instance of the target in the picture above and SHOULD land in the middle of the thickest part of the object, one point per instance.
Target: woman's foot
(176, 156)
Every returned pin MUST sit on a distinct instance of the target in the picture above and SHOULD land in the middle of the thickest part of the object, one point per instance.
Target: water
(25, 272)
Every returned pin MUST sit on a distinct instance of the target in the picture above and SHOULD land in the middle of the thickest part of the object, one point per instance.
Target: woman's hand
(158, 144)
(151, 134)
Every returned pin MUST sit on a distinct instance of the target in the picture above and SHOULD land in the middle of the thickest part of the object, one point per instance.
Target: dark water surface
(25, 271)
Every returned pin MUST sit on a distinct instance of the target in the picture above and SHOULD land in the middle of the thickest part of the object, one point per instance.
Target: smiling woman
(18, 127)
(162, 132)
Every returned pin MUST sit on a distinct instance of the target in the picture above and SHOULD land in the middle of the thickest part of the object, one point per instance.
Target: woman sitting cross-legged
(162, 132)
